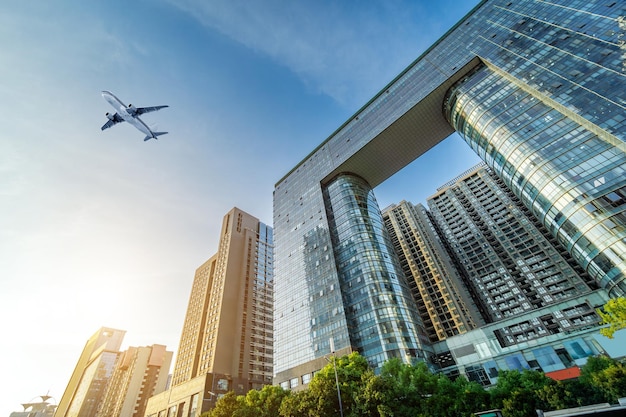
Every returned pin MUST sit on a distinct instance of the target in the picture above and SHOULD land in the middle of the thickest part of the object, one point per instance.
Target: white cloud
(346, 52)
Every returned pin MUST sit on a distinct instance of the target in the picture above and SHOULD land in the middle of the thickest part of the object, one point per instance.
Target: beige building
(227, 337)
(140, 373)
(95, 365)
(443, 302)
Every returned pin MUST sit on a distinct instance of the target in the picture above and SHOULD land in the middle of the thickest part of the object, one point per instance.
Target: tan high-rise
(443, 303)
(226, 342)
(88, 381)
(139, 373)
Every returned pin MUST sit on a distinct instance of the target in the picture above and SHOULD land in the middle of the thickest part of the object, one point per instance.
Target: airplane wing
(143, 110)
(113, 120)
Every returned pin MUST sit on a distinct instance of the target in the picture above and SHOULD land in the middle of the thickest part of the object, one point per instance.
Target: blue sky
(102, 229)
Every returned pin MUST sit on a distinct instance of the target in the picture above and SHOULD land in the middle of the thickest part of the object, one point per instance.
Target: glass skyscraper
(568, 172)
(376, 298)
(537, 89)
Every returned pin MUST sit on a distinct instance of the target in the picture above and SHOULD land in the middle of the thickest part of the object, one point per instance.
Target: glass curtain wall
(571, 178)
(380, 312)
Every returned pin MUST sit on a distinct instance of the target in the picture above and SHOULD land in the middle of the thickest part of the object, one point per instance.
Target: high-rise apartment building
(508, 258)
(140, 372)
(88, 382)
(227, 338)
(444, 302)
(539, 303)
(537, 89)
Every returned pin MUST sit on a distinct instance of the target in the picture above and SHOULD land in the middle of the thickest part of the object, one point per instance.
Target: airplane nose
(110, 98)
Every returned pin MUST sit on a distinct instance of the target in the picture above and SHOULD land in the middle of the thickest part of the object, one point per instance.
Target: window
(306, 378)
(578, 349)
(548, 359)
(476, 373)
(516, 362)
(193, 405)
(492, 369)
(222, 384)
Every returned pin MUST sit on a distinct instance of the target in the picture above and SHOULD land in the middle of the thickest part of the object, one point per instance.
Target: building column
(568, 171)
(382, 317)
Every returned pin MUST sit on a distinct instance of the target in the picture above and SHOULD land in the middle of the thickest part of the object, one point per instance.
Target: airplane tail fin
(154, 135)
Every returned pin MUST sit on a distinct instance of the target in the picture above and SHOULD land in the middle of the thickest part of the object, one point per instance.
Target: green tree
(350, 370)
(612, 380)
(520, 403)
(407, 388)
(264, 403)
(518, 393)
(614, 314)
(413, 390)
(226, 406)
(607, 376)
(595, 365)
(463, 398)
(570, 393)
(321, 398)
(373, 399)
(298, 404)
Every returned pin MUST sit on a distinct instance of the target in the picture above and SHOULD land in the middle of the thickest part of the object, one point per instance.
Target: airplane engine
(132, 109)
(110, 116)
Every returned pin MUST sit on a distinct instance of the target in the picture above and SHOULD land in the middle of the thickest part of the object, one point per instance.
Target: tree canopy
(614, 314)
(402, 390)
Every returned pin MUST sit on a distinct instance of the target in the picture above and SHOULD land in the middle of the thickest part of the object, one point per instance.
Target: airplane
(129, 114)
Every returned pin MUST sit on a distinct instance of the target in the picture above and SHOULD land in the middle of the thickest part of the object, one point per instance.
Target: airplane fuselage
(125, 114)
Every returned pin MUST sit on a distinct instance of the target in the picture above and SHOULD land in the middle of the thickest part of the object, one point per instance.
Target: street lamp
(332, 350)
(212, 396)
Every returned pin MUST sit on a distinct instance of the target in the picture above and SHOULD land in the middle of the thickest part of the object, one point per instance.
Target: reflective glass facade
(573, 179)
(92, 387)
(567, 55)
(261, 307)
(381, 315)
(91, 375)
